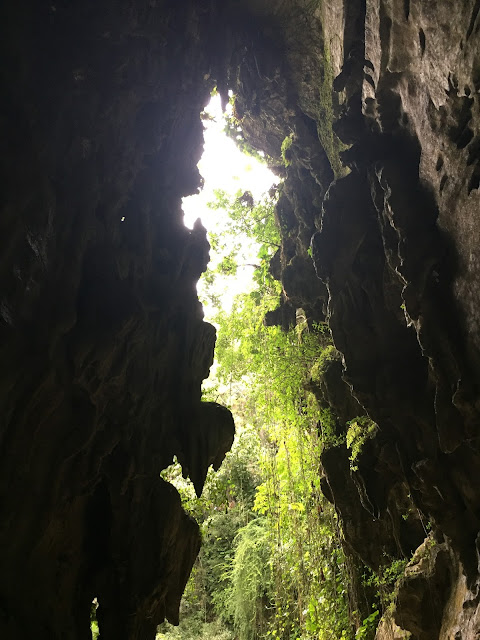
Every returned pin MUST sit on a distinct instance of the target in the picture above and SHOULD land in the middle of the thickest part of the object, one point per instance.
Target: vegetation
(286, 144)
(248, 224)
(359, 431)
(272, 563)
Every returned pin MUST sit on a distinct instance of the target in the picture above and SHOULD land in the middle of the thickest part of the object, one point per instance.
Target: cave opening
(230, 177)
(348, 506)
(262, 515)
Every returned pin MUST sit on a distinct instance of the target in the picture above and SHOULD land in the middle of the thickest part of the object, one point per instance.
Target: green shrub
(328, 355)
(359, 430)
(286, 144)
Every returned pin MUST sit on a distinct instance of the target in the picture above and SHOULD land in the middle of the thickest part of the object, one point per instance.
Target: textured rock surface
(103, 343)
(395, 247)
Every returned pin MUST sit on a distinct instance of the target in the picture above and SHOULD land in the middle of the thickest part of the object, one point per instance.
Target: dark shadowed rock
(395, 242)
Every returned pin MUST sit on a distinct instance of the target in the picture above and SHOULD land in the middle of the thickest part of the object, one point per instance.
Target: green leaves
(359, 431)
(251, 579)
(267, 372)
(227, 266)
(272, 563)
(285, 149)
(247, 238)
(368, 626)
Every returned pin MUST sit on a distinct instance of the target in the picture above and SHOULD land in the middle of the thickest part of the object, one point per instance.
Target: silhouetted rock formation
(103, 344)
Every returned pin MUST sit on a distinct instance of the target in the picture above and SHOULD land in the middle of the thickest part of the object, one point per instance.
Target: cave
(104, 346)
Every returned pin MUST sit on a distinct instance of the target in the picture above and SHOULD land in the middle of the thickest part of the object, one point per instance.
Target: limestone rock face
(370, 111)
(103, 345)
(382, 191)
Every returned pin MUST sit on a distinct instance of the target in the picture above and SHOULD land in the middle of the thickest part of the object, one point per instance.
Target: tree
(247, 237)
(272, 563)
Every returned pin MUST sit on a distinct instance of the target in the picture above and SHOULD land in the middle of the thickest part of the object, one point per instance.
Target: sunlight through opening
(225, 167)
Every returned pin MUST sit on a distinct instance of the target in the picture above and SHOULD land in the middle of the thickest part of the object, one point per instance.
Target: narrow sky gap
(223, 166)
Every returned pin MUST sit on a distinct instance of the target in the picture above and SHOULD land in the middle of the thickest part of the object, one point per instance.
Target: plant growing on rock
(359, 430)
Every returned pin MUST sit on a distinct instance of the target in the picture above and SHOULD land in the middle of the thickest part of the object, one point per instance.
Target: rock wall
(369, 110)
(386, 208)
(103, 346)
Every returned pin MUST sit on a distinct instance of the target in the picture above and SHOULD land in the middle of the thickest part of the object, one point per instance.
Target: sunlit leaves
(272, 563)
(306, 557)
(246, 237)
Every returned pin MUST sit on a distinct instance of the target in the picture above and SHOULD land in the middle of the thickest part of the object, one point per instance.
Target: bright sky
(224, 166)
